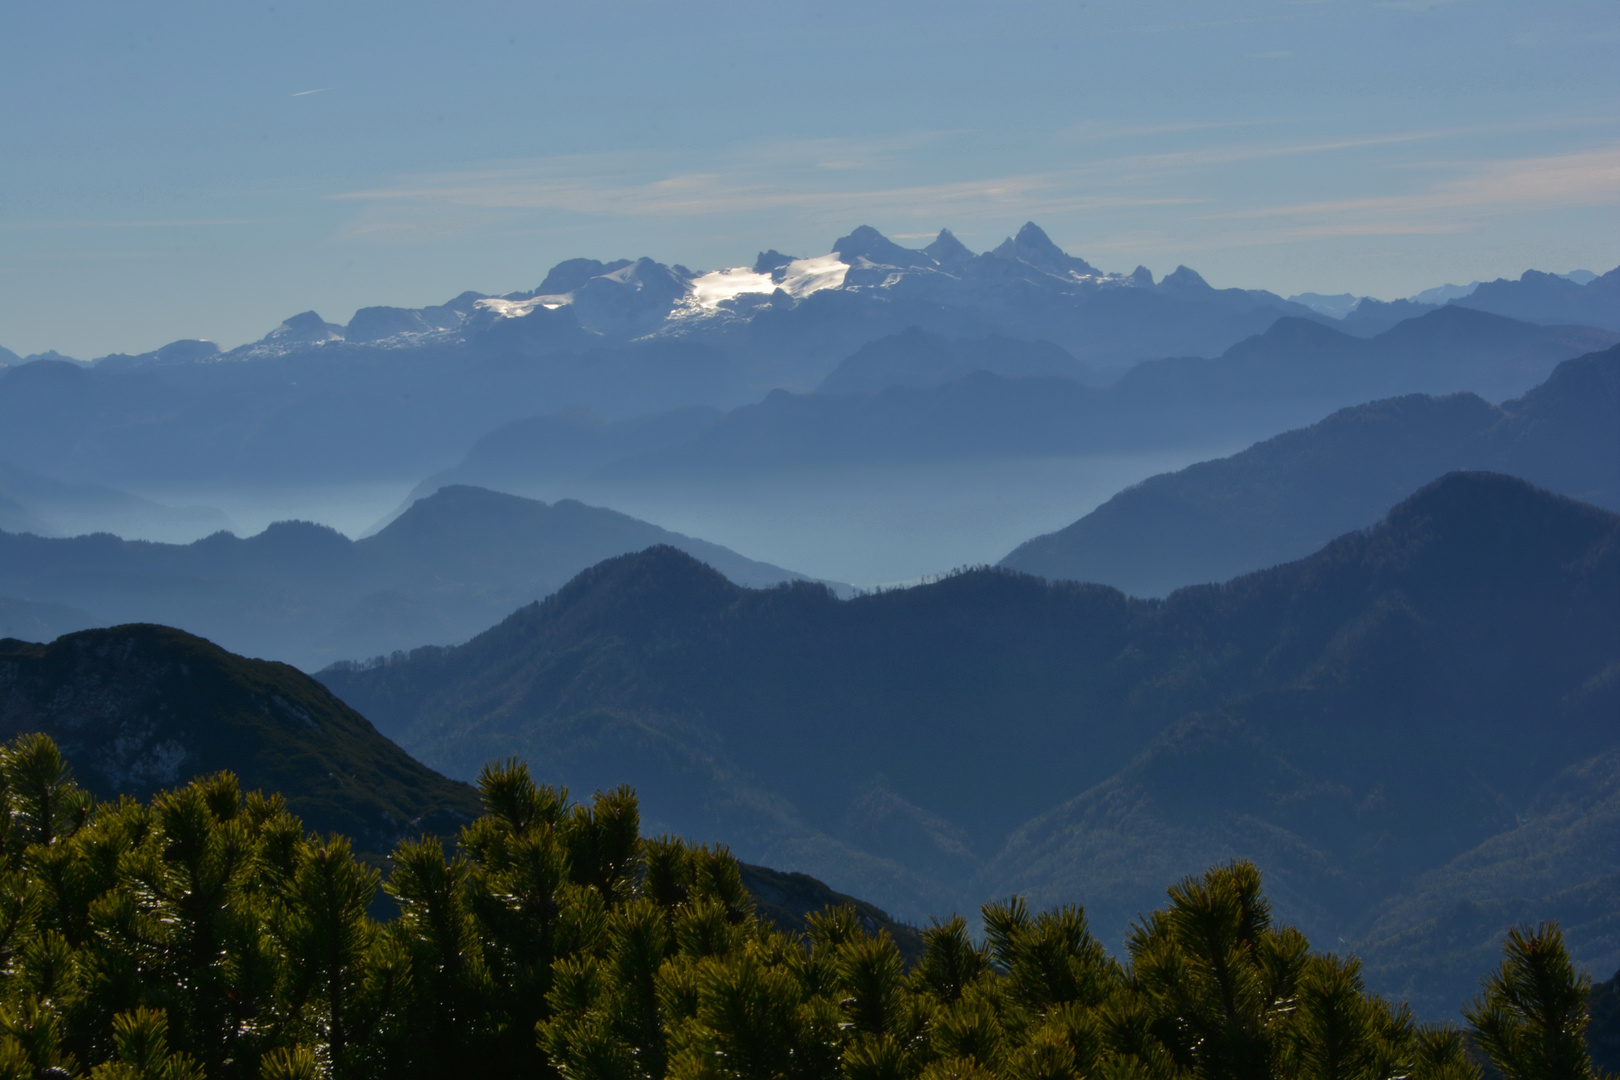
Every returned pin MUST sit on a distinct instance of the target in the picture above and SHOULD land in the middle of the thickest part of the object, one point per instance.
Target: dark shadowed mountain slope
(787, 899)
(1285, 497)
(140, 708)
(1603, 1033)
(941, 744)
(1557, 862)
(1294, 373)
(448, 567)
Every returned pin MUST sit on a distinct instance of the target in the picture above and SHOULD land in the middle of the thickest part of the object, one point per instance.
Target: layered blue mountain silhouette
(1352, 721)
(46, 506)
(1581, 298)
(447, 568)
(1283, 498)
(401, 392)
(1410, 727)
(1295, 373)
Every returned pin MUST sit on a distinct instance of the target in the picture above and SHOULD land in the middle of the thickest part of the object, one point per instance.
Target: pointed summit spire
(1032, 238)
(1184, 279)
(1034, 248)
(947, 250)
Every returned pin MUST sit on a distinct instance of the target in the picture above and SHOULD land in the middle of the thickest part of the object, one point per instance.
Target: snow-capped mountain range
(1027, 287)
(1027, 284)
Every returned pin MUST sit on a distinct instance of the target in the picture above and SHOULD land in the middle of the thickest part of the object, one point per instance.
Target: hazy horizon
(193, 172)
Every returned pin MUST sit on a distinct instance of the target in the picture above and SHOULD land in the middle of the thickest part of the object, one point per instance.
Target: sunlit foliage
(206, 934)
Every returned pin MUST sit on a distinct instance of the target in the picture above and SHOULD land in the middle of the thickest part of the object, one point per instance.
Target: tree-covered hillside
(140, 708)
(1350, 721)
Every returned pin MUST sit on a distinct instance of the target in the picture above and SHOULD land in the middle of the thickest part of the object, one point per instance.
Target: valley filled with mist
(936, 576)
(839, 541)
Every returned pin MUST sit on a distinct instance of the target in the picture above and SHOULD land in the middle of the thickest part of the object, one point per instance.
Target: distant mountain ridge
(45, 506)
(1579, 298)
(1550, 298)
(1283, 498)
(1046, 738)
(917, 358)
(397, 393)
(1294, 373)
(446, 568)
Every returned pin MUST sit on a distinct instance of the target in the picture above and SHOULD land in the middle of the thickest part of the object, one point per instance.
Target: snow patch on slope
(516, 309)
(798, 279)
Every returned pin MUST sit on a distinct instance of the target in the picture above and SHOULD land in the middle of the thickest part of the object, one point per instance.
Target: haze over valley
(580, 543)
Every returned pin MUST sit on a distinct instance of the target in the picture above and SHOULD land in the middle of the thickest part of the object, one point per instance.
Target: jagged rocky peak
(644, 276)
(465, 304)
(869, 244)
(1184, 279)
(1033, 247)
(631, 300)
(947, 250)
(376, 323)
(570, 274)
(771, 261)
(306, 326)
(1142, 277)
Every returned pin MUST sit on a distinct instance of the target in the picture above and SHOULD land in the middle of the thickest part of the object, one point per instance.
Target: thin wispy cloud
(719, 194)
(1582, 179)
(1417, 5)
(320, 90)
(1240, 152)
(144, 223)
(1193, 194)
(817, 180)
(1096, 131)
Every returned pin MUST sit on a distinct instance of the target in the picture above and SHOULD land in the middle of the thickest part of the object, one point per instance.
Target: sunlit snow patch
(712, 289)
(800, 278)
(516, 309)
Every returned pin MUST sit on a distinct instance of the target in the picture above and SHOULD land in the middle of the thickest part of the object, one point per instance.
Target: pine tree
(206, 933)
(1531, 1018)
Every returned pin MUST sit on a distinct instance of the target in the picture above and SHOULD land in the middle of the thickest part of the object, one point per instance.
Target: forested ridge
(206, 934)
(1350, 722)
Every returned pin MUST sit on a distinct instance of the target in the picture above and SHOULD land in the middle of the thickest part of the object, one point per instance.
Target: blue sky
(174, 170)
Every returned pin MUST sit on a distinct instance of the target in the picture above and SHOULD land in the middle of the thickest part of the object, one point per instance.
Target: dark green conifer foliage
(206, 934)
(1439, 1054)
(952, 961)
(1221, 979)
(1531, 1018)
